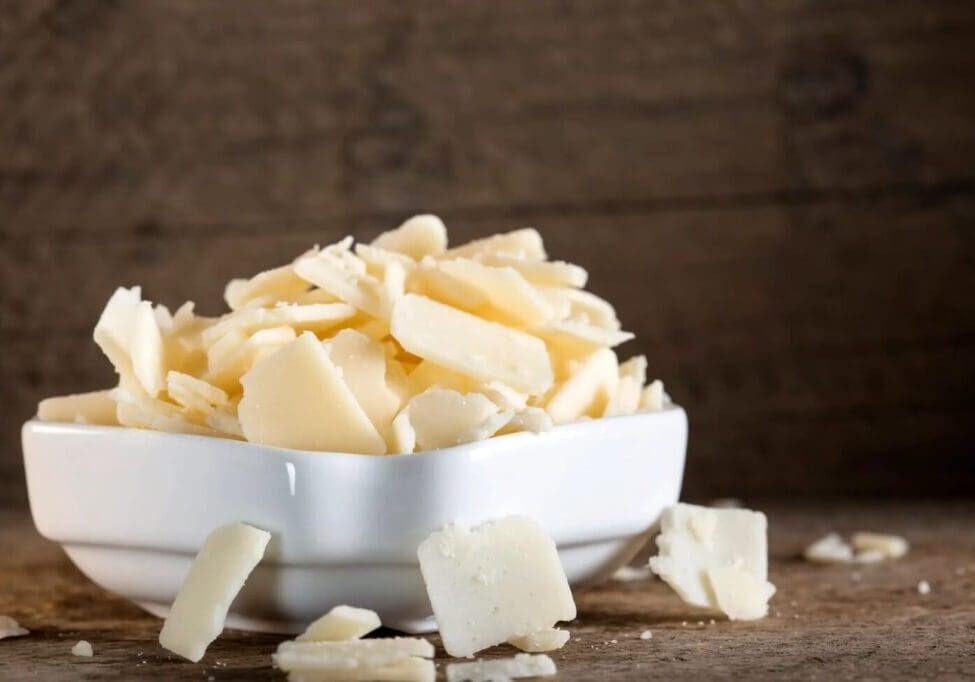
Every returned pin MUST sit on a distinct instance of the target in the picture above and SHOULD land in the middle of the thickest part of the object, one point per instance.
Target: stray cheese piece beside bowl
(132, 495)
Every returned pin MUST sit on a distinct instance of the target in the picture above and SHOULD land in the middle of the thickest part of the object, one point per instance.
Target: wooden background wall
(779, 194)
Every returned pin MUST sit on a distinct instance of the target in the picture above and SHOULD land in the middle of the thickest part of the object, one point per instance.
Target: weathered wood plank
(118, 116)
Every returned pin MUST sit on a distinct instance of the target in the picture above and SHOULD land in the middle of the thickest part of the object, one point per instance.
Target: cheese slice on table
(296, 398)
(890, 546)
(522, 665)
(410, 669)
(525, 243)
(505, 289)
(96, 407)
(442, 418)
(547, 273)
(548, 639)
(829, 549)
(493, 583)
(694, 540)
(340, 624)
(292, 656)
(196, 618)
(363, 365)
(588, 391)
(421, 235)
(11, 628)
(277, 284)
(469, 345)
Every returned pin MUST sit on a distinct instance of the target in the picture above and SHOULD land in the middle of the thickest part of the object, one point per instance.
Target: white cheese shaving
(829, 549)
(340, 624)
(410, 669)
(227, 557)
(442, 418)
(292, 656)
(890, 546)
(421, 235)
(522, 665)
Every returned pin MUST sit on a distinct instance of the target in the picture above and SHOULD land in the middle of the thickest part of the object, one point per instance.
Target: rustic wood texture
(779, 195)
(826, 622)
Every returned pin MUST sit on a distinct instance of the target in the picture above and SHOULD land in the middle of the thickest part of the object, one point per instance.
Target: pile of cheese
(395, 346)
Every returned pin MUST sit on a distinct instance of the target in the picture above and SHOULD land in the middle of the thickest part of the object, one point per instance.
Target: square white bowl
(131, 508)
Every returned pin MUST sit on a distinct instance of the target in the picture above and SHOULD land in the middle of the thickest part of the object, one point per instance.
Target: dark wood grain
(779, 195)
(825, 622)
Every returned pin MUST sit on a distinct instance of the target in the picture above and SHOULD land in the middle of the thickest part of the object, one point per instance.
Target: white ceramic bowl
(132, 507)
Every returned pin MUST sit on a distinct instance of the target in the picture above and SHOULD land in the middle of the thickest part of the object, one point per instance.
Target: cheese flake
(297, 398)
(525, 243)
(587, 391)
(522, 665)
(96, 407)
(227, 557)
(829, 549)
(421, 235)
(472, 346)
(314, 655)
(548, 639)
(11, 628)
(340, 624)
(410, 669)
(363, 365)
(442, 418)
(275, 285)
(695, 539)
(546, 273)
(890, 546)
(493, 583)
(505, 290)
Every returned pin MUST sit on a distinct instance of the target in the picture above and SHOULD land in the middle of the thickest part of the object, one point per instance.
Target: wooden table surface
(826, 622)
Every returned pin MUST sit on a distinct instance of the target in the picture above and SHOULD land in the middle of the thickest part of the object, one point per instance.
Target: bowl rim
(37, 426)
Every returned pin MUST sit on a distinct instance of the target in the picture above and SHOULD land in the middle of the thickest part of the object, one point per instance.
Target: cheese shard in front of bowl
(297, 398)
(340, 624)
(516, 667)
(548, 639)
(96, 407)
(471, 346)
(196, 618)
(494, 583)
(715, 559)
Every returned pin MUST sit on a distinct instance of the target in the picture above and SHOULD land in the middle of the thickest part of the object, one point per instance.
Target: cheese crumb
(646, 634)
(829, 549)
(11, 628)
(83, 648)
(196, 618)
(522, 665)
(924, 587)
(889, 546)
(627, 574)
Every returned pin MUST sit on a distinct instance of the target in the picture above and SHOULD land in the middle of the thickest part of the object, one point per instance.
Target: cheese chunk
(315, 317)
(654, 398)
(548, 639)
(363, 365)
(829, 549)
(694, 540)
(410, 669)
(497, 582)
(83, 648)
(343, 275)
(581, 306)
(522, 665)
(421, 235)
(11, 628)
(96, 407)
(472, 346)
(128, 334)
(195, 394)
(293, 656)
(196, 618)
(505, 290)
(533, 419)
(575, 339)
(442, 418)
(341, 623)
(588, 391)
(547, 273)
(276, 285)
(296, 398)
(890, 546)
(625, 399)
(738, 593)
(403, 436)
(525, 243)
